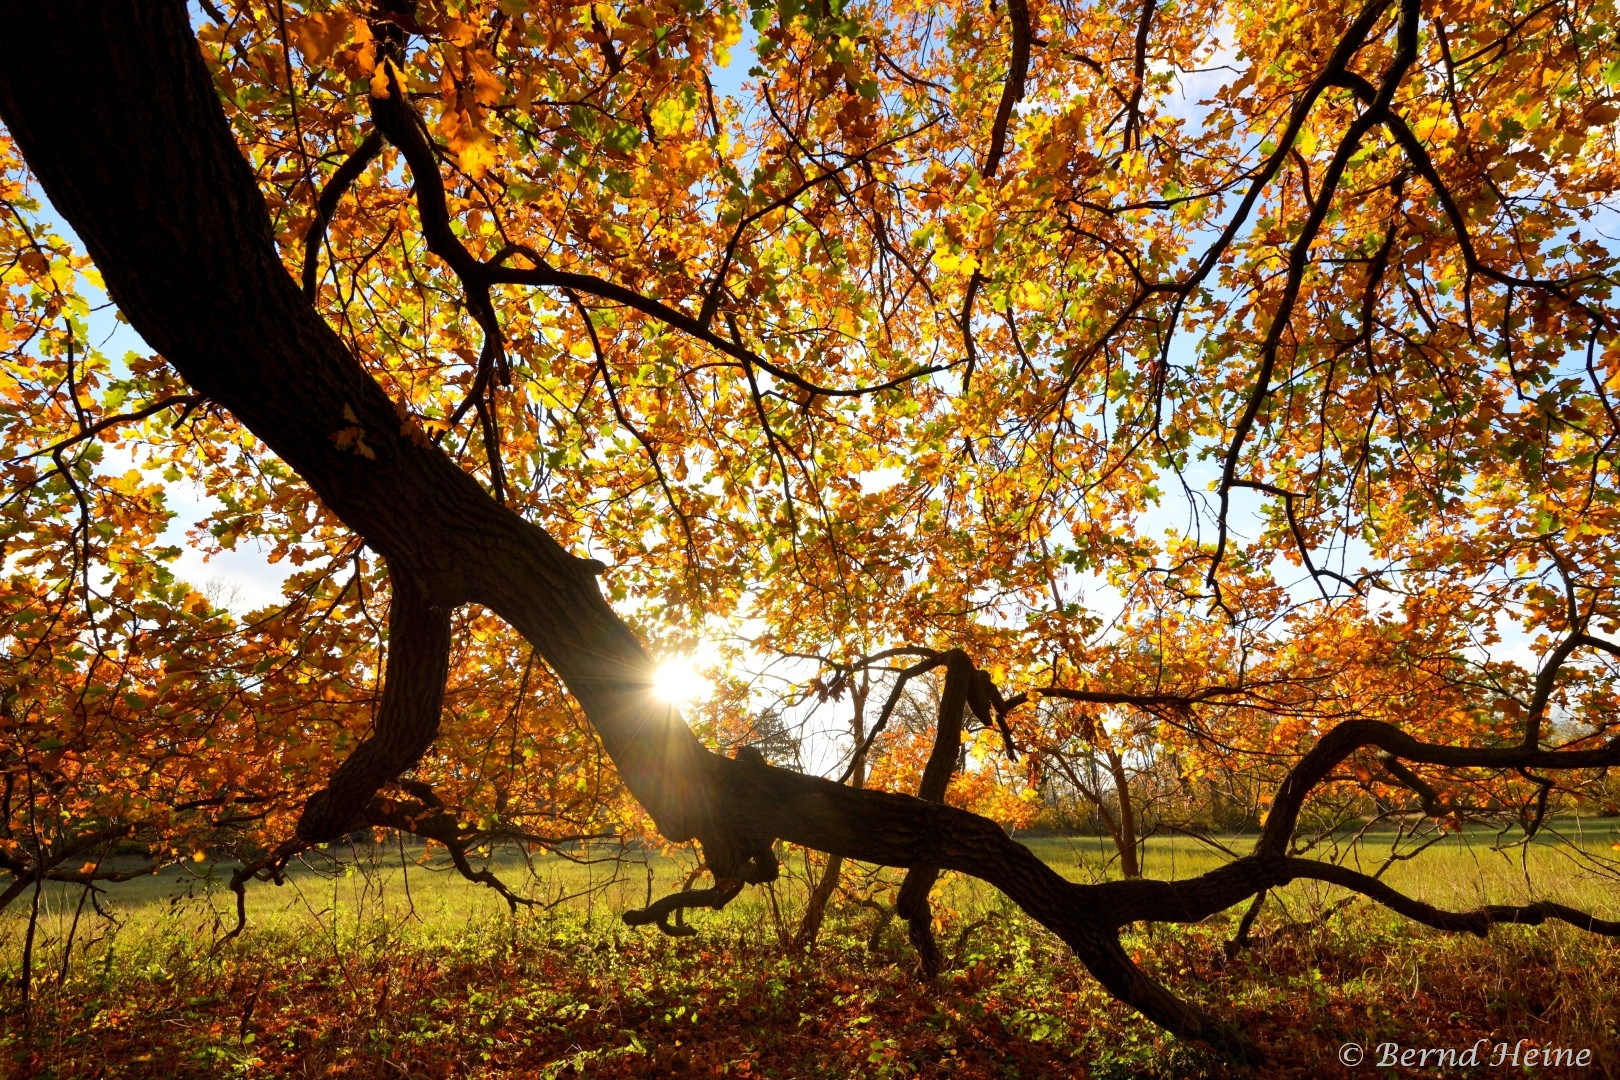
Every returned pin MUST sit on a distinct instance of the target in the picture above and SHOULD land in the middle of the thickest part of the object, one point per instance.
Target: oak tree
(509, 326)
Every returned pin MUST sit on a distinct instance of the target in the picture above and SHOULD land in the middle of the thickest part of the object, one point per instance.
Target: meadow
(381, 962)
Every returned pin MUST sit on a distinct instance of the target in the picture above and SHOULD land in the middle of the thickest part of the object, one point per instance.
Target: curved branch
(658, 912)
(695, 561)
(407, 721)
(1477, 922)
(1410, 780)
(431, 821)
(398, 120)
(344, 178)
(1298, 259)
(1352, 735)
(543, 274)
(1132, 138)
(1354, 38)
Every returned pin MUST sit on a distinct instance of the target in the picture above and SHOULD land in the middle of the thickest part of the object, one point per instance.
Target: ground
(342, 974)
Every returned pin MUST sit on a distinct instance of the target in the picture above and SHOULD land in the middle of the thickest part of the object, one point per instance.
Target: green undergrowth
(324, 984)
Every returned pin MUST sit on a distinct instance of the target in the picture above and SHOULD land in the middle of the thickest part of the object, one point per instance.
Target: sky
(242, 576)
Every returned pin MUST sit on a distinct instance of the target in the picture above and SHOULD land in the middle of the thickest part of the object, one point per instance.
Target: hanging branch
(413, 690)
(912, 902)
(749, 859)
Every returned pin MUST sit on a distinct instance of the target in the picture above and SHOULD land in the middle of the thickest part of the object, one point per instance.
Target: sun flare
(679, 682)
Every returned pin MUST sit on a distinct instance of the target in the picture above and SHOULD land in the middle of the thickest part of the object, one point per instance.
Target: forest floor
(378, 963)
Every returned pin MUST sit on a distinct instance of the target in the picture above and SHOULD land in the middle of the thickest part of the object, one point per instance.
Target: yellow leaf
(474, 149)
(487, 89)
(379, 79)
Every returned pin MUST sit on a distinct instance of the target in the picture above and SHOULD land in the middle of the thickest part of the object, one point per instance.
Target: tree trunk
(1125, 837)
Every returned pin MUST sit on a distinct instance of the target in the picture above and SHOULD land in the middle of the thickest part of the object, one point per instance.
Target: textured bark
(112, 105)
(1012, 92)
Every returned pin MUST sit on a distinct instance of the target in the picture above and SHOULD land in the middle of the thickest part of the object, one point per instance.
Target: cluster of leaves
(138, 714)
(905, 342)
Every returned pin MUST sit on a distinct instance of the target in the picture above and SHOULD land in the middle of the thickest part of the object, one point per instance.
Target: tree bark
(911, 903)
(1125, 836)
(407, 720)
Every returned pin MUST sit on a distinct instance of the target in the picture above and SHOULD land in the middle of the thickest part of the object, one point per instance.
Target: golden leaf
(318, 36)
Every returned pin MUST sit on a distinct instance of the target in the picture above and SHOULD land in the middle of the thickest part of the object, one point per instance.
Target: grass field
(378, 962)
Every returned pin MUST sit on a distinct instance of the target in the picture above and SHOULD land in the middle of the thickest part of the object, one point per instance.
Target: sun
(679, 682)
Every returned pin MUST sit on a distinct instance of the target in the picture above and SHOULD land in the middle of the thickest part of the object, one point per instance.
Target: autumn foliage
(1210, 374)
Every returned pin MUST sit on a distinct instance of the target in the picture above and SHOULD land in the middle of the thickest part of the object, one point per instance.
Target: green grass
(364, 964)
(1462, 870)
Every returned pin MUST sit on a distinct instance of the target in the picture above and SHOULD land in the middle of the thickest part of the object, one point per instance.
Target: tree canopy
(1238, 379)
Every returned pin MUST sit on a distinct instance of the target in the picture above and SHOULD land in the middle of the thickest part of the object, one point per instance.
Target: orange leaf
(318, 36)
(379, 79)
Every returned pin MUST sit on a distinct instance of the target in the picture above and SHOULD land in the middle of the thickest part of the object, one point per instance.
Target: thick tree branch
(912, 902)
